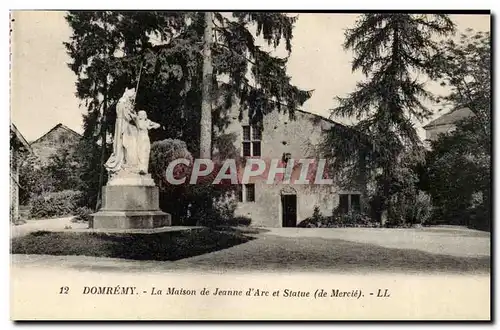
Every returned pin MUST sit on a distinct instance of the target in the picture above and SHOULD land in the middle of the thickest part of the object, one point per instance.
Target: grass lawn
(229, 249)
(172, 245)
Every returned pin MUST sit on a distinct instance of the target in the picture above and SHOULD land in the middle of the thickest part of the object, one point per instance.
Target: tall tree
(206, 103)
(464, 66)
(91, 47)
(169, 48)
(458, 173)
(107, 55)
(390, 50)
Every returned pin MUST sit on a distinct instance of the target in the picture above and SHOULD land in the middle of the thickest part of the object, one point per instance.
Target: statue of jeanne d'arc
(131, 144)
(124, 156)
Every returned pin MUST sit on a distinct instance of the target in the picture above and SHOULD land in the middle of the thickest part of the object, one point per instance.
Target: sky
(43, 87)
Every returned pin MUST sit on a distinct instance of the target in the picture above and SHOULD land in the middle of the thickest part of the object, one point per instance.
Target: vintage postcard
(186, 165)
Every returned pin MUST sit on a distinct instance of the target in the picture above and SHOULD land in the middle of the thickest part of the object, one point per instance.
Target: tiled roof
(55, 128)
(19, 136)
(450, 117)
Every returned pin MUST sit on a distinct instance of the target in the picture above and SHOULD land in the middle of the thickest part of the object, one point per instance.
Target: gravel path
(453, 241)
(44, 224)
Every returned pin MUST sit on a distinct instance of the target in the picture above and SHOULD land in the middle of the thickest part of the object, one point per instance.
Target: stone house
(445, 123)
(19, 147)
(60, 137)
(282, 204)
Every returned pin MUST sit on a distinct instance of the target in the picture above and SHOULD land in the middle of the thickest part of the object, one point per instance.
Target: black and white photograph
(250, 165)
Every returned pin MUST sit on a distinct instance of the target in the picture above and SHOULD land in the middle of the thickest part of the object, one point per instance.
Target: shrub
(480, 218)
(55, 204)
(410, 209)
(209, 204)
(225, 207)
(162, 154)
(34, 178)
(202, 203)
(420, 211)
(317, 216)
(83, 214)
(309, 223)
(338, 220)
(239, 221)
(352, 219)
(317, 219)
(173, 198)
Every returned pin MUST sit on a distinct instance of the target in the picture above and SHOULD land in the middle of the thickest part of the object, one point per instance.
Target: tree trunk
(206, 104)
(103, 145)
(362, 181)
(103, 134)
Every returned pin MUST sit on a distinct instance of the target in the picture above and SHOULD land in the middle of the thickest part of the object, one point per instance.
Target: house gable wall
(59, 138)
(299, 137)
(432, 133)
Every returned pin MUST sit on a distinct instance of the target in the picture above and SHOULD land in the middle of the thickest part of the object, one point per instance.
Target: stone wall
(299, 138)
(432, 133)
(59, 138)
(14, 188)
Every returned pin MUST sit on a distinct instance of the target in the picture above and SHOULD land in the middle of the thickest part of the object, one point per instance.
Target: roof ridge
(55, 127)
(19, 135)
(447, 118)
(321, 117)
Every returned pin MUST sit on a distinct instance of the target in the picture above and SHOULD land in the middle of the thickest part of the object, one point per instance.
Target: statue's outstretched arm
(152, 124)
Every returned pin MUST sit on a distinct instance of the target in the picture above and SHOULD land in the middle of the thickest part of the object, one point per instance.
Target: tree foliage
(390, 50)
(34, 178)
(167, 45)
(458, 174)
(110, 48)
(64, 168)
(189, 204)
(63, 171)
(464, 67)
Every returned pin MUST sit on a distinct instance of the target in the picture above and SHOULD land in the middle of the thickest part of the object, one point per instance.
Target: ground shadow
(242, 230)
(457, 232)
(239, 251)
(166, 246)
(307, 254)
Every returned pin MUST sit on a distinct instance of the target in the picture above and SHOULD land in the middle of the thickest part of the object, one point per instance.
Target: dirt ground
(44, 224)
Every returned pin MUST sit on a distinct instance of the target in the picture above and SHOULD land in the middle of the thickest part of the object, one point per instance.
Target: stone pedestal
(130, 203)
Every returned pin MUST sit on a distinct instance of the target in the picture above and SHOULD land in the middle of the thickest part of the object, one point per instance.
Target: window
(246, 193)
(240, 194)
(349, 202)
(256, 134)
(355, 202)
(246, 133)
(256, 148)
(344, 203)
(251, 141)
(250, 188)
(246, 149)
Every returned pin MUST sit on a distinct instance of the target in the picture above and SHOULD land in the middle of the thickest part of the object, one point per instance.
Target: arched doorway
(288, 207)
